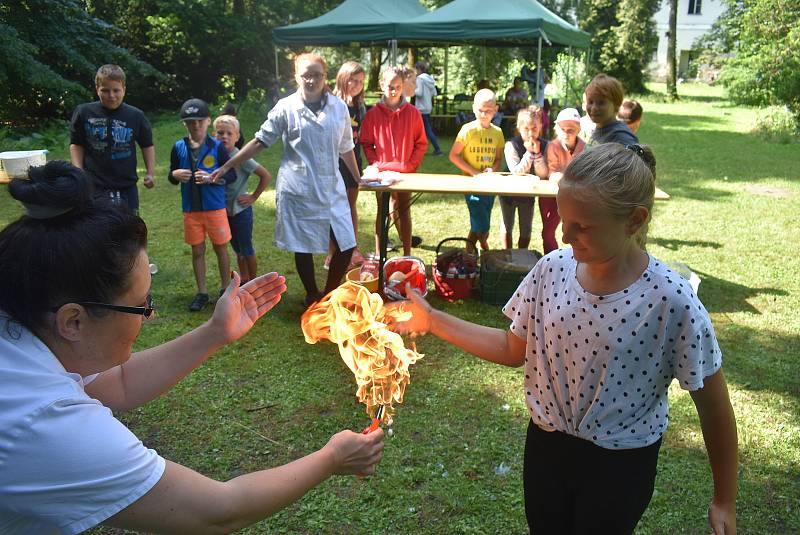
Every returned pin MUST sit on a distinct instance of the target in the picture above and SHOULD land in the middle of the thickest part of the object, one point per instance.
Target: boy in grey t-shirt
(238, 202)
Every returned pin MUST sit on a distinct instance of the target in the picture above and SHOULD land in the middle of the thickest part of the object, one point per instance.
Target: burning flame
(355, 320)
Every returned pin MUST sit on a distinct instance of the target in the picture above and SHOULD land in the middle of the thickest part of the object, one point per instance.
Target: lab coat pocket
(294, 180)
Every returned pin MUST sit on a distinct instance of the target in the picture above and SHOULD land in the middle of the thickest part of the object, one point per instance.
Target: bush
(570, 78)
(778, 125)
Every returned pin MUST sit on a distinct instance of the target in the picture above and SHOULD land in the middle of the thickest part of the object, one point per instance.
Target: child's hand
(532, 145)
(148, 182)
(246, 199)
(183, 175)
(420, 309)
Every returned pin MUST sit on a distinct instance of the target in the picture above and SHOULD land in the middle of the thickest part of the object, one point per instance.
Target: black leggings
(573, 486)
(304, 262)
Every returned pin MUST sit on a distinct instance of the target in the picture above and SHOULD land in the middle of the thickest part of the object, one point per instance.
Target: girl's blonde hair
(346, 72)
(619, 178)
(530, 113)
(392, 72)
(407, 72)
(230, 120)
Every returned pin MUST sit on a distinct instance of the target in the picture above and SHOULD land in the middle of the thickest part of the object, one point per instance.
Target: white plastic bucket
(17, 162)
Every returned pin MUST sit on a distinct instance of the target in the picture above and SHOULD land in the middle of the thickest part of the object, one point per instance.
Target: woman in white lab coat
(312, 206)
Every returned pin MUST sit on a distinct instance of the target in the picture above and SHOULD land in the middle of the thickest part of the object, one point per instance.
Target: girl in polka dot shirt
(602, 329)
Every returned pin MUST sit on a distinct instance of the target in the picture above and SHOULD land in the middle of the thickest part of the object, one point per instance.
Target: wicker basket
(454, 286)
(502, 272)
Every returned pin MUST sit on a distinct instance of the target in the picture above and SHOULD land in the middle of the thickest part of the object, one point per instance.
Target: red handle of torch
(376, 422)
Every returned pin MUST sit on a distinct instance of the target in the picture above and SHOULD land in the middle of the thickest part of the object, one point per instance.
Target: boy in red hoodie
(393, 139)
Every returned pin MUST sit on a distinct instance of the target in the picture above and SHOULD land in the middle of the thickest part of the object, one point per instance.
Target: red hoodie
(394, 140)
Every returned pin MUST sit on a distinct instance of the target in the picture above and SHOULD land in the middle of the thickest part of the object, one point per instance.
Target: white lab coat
(310, 193)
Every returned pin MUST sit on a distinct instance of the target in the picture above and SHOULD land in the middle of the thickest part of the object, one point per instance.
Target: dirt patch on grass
(768, 191)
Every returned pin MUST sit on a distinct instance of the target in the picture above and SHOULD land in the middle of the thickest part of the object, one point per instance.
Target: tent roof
(499, 22)
(351, 21)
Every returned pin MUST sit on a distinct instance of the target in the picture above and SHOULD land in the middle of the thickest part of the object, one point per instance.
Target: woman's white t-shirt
(66, 464)
(598, 367)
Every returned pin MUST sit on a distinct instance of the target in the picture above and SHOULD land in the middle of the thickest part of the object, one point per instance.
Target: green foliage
(777, 124)
(569, 76)
(49, 65)
(623, 38)
(762, 38)
(211, 48)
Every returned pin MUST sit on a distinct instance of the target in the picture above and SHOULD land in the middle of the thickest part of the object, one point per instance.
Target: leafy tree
(623, 37)
(48, 65)
(760, 39)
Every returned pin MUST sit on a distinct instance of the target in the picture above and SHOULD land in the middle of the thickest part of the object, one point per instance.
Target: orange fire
(355, 320)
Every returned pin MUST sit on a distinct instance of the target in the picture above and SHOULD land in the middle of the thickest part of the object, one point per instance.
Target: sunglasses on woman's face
(148, 310)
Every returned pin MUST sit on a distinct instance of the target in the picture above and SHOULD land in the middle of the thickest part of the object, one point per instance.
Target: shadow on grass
(721, 296)
(675, 244)
(759, 359)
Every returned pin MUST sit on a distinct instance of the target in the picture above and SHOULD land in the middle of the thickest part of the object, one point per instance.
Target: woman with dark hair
(74, 292)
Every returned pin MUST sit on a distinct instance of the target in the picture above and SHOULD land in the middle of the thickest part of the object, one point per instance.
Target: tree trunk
(412, 56)
(240, 82)
(374, 69)
(672, 39)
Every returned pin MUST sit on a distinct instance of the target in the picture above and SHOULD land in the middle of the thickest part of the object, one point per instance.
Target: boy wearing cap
(566, 146)
(192, 161)
(103, 138)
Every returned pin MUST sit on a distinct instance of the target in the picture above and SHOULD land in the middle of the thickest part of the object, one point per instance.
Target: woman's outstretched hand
(239, 307)
(420, 309)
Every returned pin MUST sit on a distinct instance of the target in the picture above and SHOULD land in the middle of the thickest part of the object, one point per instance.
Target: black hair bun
(53, 189)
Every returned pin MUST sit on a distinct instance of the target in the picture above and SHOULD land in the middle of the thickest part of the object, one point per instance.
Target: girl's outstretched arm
(488, 343)
(719, 433)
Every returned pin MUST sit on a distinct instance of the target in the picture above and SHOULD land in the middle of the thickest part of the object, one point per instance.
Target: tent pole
(277, 76)
(393, 53)
(566, 89)
(539, 69)
(446, 63)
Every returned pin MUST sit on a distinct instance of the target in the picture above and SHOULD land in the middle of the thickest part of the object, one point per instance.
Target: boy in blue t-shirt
(192, 161)
(238, 202)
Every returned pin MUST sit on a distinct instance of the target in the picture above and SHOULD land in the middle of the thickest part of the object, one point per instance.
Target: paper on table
(376, 179)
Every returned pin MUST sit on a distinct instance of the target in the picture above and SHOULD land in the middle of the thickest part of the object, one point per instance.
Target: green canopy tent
(495, 23)
(352, 21)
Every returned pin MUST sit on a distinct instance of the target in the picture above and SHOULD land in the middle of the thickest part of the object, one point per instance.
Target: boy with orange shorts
(192, 161)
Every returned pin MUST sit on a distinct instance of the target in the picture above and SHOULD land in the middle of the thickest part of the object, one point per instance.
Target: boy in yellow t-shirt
(479, 149)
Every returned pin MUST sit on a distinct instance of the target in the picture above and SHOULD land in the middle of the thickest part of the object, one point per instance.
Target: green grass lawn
(271, 398)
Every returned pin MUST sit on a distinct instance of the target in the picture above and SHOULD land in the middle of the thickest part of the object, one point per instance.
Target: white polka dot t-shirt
(598, 367)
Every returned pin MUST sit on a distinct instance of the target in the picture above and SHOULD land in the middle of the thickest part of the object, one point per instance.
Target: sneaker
(416, 241)
(437, 153)
(327, 264)
(199, 302)
(221, 291)
(390, 246)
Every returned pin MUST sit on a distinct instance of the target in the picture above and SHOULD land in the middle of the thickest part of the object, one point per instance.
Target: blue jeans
(242, 232)
(426, 120)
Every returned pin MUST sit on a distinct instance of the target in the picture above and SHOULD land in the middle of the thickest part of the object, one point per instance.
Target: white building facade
(695, 18)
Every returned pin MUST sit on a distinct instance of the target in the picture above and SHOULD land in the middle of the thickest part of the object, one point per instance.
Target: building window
(695, 7)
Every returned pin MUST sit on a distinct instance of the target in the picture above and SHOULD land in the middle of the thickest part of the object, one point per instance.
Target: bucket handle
(454, 238)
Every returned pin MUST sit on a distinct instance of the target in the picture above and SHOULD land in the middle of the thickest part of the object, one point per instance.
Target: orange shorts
(214, 223)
